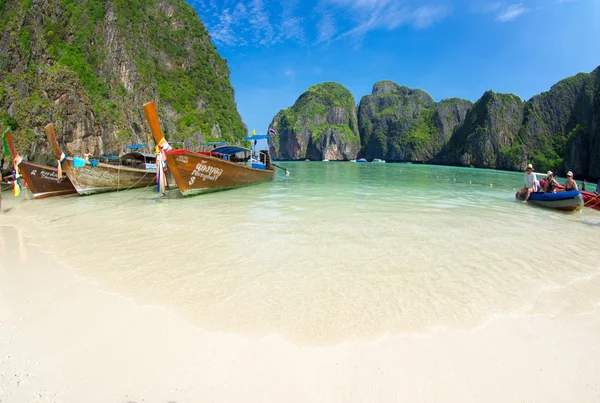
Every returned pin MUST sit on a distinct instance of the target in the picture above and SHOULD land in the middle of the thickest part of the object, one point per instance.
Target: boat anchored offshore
(378, 161)
(43, 181)
(566, 201)
(223, 167)
(126, 172)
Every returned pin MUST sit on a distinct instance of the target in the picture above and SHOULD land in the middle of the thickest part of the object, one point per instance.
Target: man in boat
(550, 183)
(570, 184)
(87, 155)
(531, 183)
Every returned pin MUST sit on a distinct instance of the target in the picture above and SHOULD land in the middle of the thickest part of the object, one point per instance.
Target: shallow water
(334, 252)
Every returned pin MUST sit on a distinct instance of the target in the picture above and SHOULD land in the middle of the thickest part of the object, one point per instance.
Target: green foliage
(513, 155)
(9, 121)
(545, 161)
(423, 131)
(167, 49)
(25, 40)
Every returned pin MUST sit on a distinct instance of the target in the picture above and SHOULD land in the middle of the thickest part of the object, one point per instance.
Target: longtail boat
(43, 181)
(223, 167)
(100, 177)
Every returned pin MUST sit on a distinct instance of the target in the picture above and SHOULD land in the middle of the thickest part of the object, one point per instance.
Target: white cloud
(426, 16)
(370, 15)
(511, 12)
(504, 11)
(268, 22)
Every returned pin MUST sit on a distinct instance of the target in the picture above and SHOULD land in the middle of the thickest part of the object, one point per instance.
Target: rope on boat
(106, 207)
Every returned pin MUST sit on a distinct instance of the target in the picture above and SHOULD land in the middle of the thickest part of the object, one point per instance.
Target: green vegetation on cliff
(323, 118)
(109, 57)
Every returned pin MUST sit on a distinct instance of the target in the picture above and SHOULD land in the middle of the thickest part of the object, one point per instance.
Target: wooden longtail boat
(202, 172)
(102, 177)
(43, 181)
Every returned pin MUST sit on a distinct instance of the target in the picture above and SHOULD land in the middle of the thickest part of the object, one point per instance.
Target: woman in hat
(531, 183)
(550, 183)
(570, 184)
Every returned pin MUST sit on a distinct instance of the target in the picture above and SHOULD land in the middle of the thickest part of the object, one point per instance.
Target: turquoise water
(333, 252)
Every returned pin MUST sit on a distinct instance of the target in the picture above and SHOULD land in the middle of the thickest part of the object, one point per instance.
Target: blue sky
(276, 49)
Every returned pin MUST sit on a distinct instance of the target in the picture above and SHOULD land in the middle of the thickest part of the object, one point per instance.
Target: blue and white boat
(566, 201)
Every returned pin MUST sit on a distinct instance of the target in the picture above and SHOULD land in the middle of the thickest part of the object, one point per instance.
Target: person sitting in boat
(550, 183)
(531, 183)
(583, 184)
(570, 184)
(86, 155)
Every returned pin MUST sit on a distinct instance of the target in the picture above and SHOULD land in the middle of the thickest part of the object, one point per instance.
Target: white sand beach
(65, 339)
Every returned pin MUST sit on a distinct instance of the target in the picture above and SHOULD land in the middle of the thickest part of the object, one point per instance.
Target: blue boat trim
(229, 150)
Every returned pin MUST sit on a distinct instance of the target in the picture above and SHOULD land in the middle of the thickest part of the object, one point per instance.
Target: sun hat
(569, 173)
(529, 166)
(550, 173)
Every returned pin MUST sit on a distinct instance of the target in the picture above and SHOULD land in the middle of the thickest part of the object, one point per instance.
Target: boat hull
(106, 178)
(197, 173)
(591, 200)
(42, 181)
(565, 201)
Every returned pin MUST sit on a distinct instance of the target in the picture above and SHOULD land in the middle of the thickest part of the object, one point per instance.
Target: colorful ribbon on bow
(161, 165)
(62, 159)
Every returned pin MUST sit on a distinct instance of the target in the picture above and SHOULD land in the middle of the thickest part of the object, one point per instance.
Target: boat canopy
(230, 150)
(257, 137)
(143, 157)
(135, 146)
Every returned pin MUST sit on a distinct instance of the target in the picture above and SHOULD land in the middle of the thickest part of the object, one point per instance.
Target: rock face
(486, 137)
(398, 123)
(90, 65)
(321, 124)
(557, 130)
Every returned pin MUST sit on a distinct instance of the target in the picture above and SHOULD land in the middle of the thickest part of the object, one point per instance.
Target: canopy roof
(139, 156)
(257, 137)
(229, 150)
(135, 146)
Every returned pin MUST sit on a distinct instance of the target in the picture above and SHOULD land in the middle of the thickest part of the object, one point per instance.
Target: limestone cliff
(89, 65)
(321, 124)
(558, 129)
(487, 136)
(398, 123)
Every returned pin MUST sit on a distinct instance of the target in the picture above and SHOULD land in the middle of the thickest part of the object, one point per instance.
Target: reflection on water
(332, 252)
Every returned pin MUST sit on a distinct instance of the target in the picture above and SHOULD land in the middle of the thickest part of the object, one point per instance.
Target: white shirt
(530, 180)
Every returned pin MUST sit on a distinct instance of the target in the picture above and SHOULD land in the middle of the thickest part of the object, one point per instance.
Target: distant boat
(352, 160)
(307, 160)
(43, 181)
(362, 160)
(223, 167)
(377, 160)
(325, 160)
(127, 172)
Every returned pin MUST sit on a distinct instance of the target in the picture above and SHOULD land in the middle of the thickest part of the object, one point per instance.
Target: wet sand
(63, 338)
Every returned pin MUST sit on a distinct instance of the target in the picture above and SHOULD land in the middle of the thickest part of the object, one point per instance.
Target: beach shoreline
(64, 339)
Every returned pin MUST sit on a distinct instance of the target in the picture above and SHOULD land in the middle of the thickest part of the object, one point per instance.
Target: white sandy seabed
(65, 339)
